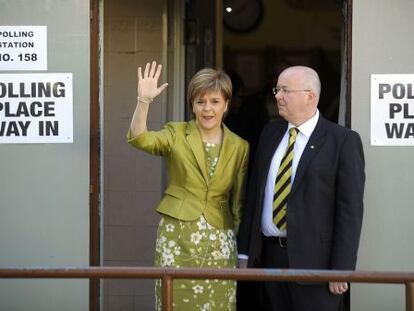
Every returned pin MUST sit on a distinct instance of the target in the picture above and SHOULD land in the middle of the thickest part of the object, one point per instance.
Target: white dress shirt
(305, 131)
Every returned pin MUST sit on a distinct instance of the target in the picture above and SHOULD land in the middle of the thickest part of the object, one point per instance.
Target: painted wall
(44, 188)
(383, 43)
(134, 33)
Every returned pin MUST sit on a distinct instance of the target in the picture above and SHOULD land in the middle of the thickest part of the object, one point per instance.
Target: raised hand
(147, 84)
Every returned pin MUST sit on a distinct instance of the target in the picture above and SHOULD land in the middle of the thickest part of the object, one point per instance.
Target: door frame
(348, 41)
(94, 154)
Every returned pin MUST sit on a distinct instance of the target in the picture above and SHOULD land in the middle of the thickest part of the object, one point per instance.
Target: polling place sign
(392, 109)
(36, 108)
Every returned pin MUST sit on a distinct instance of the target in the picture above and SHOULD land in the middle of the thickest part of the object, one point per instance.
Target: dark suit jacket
(325, 206)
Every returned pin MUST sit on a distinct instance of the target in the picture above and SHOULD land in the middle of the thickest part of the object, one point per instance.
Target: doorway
(135, 32)
(263, 37)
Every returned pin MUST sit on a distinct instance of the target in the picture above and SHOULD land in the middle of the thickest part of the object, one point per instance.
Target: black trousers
(291, 296)
(248, 293)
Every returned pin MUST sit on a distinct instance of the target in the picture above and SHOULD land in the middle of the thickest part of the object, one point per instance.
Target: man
(304, 202)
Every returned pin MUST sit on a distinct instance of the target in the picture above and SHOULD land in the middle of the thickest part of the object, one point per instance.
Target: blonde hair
(209, 80)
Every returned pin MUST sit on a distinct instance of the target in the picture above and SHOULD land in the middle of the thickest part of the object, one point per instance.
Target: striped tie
(283, 183)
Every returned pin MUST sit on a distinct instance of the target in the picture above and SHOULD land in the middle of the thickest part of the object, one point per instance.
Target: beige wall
(383, 43)
(133, 181)
(44, 188)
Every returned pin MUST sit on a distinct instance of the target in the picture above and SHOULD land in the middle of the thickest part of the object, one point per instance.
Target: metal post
(167, 293)
(409, 296)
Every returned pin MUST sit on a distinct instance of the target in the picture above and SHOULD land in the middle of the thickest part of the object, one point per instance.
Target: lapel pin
(312, 146)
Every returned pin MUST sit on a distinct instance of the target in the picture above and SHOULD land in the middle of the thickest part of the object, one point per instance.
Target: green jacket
(190, 192)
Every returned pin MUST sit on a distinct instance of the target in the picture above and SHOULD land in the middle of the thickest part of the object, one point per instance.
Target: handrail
(167, 275)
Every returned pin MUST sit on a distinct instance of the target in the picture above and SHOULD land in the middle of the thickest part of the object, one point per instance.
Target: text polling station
(36, 108)
(23, 48)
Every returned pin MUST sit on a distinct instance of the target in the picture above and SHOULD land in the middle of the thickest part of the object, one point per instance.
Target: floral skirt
(196, 244)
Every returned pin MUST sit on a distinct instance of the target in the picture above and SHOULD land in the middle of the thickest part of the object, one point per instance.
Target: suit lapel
(196, 146)
(226, 151)
(311, 149)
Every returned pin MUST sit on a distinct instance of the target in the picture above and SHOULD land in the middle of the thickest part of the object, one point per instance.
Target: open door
(263, 37)
(203, 37)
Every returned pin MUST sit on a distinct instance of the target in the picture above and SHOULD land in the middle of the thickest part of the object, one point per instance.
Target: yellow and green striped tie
(283, 183)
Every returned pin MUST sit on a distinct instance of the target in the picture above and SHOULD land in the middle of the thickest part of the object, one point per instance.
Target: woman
(201, 208)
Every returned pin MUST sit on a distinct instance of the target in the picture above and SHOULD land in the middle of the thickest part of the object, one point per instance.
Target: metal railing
(167, 275)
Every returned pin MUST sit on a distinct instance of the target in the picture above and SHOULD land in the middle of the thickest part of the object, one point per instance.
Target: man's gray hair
(311, 79)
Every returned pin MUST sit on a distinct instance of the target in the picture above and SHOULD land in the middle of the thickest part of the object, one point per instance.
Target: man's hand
(242, 263)
(338, 288)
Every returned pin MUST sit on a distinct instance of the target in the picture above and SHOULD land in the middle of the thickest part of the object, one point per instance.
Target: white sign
(392, 109)
(36, 108)
(23, 48)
